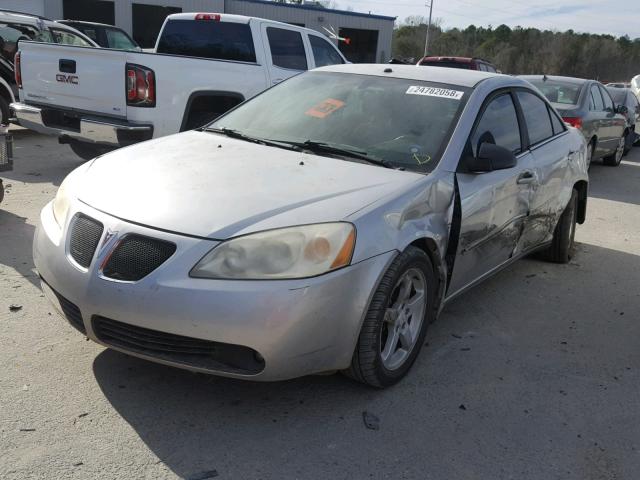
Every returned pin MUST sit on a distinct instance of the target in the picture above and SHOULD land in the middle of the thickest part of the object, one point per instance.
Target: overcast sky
(615, 17)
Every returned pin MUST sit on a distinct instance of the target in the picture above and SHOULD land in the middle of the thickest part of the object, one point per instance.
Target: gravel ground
(533, 375)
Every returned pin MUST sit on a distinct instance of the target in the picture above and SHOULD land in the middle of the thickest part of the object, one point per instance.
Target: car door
(493, 205)
(616, 122)
(285, 52)
(551, 154)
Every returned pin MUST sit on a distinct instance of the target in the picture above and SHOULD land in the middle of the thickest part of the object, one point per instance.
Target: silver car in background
(320, 226)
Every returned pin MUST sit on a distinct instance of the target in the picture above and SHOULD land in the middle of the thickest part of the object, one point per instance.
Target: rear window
(464, 66)
(557, 91)
(208, 39)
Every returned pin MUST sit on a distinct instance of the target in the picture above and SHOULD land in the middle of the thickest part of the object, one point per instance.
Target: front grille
(69, 309)
(85, 235)
(186, 351)
(137, 256)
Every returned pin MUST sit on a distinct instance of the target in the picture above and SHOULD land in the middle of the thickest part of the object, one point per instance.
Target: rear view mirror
(622, 109)
(491, 157)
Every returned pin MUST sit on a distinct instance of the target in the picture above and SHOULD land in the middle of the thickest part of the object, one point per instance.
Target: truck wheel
(563, 243)
(396, 322)
(615, 158)
(88, 151)
(4, 112)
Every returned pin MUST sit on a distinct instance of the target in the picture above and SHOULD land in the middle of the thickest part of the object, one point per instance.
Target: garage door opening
(147, 22)
(99, 11)
(361, 46)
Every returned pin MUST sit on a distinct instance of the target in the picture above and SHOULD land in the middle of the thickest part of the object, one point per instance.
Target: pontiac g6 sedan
(320, 226)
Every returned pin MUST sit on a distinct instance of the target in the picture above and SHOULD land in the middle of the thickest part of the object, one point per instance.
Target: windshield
(618, 95)
(557, 91)
(405, 123)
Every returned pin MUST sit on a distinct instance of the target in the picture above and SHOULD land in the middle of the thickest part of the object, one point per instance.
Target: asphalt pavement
(533, 375)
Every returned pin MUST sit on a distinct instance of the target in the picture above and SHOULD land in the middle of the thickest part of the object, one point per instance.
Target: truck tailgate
(78, 78)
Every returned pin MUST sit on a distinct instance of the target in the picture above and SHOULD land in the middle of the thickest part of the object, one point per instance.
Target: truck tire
(88, 151)
(4, 111)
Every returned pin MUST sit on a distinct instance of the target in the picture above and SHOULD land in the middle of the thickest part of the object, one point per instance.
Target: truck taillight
(141, 86)
(211, 17)
(18, 70)
(573, 121)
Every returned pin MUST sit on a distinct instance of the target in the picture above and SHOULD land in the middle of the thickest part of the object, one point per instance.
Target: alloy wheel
(403, 319)
(620, 149)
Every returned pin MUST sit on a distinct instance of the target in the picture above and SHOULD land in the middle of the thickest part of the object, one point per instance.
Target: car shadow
(39, 159)
(620, 183)
(17, 255)
(488, 381)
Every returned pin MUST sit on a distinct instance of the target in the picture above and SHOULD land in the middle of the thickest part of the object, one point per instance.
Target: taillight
(141, 86)
(573, 121)
(211, 17)
(18, 70)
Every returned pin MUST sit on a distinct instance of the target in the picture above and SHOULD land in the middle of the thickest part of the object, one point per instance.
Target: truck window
(287, 49)
(68, 38)
(208, 39)
(323, 52)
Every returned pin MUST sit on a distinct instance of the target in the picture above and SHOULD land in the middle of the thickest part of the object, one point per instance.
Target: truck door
(285, 53)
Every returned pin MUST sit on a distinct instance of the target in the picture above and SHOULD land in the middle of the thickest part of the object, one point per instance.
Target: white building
(369, 36)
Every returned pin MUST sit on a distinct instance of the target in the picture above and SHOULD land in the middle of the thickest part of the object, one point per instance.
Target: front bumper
(78, 126)
(298, 327)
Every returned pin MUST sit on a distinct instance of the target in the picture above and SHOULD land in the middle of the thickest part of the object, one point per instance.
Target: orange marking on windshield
(325, 108)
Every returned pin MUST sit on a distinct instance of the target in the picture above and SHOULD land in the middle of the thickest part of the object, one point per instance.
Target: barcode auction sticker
(435, 92)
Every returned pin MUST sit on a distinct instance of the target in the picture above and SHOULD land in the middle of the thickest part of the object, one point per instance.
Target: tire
(88, 151)
(373, 362)
(562, 246)
(590, 150)
(615, 158)
(1, 191)
(5, 113)
(629, 139)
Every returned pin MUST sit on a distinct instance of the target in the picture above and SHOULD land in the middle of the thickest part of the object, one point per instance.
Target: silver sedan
(320, 226)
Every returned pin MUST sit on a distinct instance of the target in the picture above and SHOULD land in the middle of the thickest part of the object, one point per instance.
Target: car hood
(207, 185)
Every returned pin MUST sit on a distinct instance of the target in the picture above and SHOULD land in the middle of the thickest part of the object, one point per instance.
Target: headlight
(66, 192)
(62, 202)
(295, 252)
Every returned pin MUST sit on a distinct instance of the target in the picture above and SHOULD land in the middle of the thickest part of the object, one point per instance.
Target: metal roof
(453, 76)
(321, 10)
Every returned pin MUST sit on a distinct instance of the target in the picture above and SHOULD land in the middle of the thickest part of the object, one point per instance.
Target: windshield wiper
(345, 151)
(231, 133)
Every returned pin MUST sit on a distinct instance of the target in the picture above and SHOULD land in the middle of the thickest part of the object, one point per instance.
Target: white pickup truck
(203, 65)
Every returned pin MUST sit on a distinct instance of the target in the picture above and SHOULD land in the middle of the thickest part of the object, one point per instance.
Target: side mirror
(491, 157)
(622, 109)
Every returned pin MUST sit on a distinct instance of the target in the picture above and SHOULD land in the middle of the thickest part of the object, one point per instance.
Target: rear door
(76, 78)
(285, 52)
(494, 205)
(615, 122)
(551, 153)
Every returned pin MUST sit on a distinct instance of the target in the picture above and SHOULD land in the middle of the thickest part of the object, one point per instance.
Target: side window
(597, 98)
(287, 48)
(558, 125)
(68, 38)
(323, 52)
(592, 104)
(498, 125)
(536, 116)
(608, 103)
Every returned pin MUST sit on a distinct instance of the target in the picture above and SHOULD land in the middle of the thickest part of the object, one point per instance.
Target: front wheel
(615, 158)
(396, 322)
(563, 244)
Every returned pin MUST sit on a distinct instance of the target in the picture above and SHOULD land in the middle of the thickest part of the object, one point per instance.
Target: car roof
(21, 17)
(82, 22)
(453, 76)
(577, 81)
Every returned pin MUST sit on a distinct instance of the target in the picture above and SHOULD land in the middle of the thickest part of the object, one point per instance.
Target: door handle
(526, 178)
